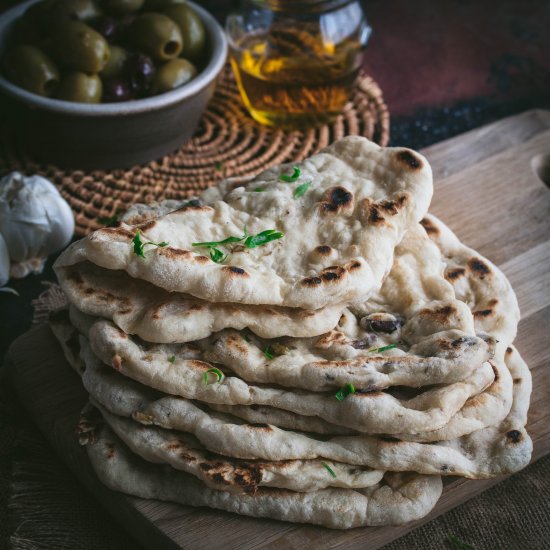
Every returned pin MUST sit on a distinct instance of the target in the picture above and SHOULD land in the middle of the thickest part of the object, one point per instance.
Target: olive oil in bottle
(299, 70)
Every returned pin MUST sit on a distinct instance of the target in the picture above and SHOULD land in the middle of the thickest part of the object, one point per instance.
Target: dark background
(444, 66)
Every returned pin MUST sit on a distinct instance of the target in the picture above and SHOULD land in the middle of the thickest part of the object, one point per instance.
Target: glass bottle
(296, 62)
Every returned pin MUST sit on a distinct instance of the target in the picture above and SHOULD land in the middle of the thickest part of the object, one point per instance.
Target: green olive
(79, 47)
(192, 30)
(123, 6)
(172, 74)
(152, 5)
(80, 87)
(32, 69)
(116, 61)
(72, 10)
(157, 35)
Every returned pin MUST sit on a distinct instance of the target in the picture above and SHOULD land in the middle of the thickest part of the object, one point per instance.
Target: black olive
(116, 90)
(139, 71)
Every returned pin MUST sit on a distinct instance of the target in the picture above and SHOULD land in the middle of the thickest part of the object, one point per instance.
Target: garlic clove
(35, 221)
(61, 227)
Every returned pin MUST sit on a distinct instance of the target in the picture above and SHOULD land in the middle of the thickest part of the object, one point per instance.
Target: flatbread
(185, 452)
(486, 290)
(398, 499)
(371, 412)
(484, 454)
(436, 346)
(478, 283)
(486, 451)
(322, 364)
(156, 315)
(338, 242)
(481, 410)
(491, 406)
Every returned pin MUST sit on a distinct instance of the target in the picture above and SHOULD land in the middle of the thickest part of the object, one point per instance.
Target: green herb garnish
(296, 172)
(329, 469)
(459, 544)
(246, 337)
(383, 348)
(301, 189)
(109, 221)
(216, 255)
(344, 391)
(210, 244)
(139, 245)
(219, 375)
(172, 359)
(268, 353)
(218, 166)
(258, 189)
(250, 241)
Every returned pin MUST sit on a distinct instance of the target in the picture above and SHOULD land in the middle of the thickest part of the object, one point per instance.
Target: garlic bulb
(35, 221)
(4, 262)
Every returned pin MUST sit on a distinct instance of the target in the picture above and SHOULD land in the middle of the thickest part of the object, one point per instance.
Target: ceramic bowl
(111, 135)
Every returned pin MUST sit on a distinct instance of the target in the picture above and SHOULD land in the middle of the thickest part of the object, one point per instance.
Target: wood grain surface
(490, 191)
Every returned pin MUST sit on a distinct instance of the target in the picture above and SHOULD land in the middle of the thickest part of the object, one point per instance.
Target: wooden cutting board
(489, 189)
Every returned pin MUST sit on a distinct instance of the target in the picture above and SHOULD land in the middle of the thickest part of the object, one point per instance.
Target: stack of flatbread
(309, 346)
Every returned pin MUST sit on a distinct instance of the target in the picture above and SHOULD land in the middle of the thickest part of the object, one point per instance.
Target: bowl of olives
(105, 84)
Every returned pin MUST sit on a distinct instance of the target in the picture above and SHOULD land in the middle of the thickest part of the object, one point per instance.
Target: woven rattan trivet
(228, 143)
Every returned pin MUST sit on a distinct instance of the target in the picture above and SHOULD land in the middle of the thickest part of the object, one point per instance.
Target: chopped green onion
(172, 359)
(344, 391)
(301, 189)
(218, 166)
(139, 245)
(329, 469)
(268, 353)
(383, 348)
(459, 544)
(216, 255)
(219, 375)
(209, 244)
(252, 241)
(296, 172)
(259, 189)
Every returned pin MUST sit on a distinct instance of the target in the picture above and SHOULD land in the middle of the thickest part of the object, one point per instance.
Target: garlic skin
(35, 221)
(4, 262)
